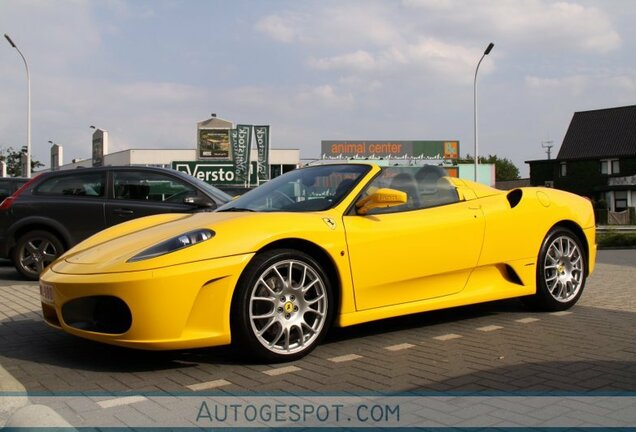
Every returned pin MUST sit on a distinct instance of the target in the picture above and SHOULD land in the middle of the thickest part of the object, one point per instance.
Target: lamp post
(486, 52)
(28, 154)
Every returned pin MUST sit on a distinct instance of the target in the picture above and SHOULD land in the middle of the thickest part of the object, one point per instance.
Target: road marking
(344, 358)
(561, 313)
(110, 403)
(209, 385)
(281, 370)
(447, 337)
(399, 347)
(489, 328)
(527, 320)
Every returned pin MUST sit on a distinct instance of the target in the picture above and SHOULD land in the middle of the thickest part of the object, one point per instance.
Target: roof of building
(214, 123)
(609, 132)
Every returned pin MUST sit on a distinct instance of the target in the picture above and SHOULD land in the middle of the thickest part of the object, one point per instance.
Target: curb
(18, 412)
(37, 416)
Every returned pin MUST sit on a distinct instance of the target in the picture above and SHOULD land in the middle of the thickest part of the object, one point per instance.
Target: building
(597, 159)
(281, 160)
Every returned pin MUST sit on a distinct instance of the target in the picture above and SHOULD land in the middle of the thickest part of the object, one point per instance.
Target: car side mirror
(199, 201)
(381, 198)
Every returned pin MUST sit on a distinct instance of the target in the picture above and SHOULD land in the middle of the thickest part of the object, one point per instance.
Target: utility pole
(548, 146)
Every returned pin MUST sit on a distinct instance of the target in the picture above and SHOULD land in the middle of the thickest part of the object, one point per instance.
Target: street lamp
(486, 52)
(28, 154)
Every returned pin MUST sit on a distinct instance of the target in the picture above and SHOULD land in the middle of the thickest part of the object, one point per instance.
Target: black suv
(56, 210)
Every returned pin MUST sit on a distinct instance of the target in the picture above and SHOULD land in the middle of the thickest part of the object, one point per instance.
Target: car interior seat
(406, 183)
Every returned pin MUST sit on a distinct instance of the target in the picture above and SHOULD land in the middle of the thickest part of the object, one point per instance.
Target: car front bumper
(181, 306)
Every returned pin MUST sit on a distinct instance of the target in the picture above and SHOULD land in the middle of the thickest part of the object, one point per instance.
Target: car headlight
(174, 244)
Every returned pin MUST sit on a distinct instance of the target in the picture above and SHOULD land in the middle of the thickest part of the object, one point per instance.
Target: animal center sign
(429, 150)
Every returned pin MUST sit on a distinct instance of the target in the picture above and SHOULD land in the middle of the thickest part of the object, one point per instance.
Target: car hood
(234, 233)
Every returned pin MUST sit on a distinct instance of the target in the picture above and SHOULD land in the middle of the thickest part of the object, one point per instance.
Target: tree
(13, 159)
(504, 168)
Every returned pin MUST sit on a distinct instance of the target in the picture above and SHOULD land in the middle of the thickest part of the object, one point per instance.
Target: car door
(72, 202)
(137, 193)
(423, 249)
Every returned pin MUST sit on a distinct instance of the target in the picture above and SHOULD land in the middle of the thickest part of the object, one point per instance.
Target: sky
(148, 71)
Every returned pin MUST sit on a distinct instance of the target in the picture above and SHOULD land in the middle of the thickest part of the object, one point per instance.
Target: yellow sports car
(331, 244)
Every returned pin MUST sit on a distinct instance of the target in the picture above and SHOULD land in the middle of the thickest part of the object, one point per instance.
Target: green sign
(261, 134)
(242, 145)
(214, 173)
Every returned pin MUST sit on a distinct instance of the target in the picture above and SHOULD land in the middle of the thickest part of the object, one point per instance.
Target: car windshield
(308, 189)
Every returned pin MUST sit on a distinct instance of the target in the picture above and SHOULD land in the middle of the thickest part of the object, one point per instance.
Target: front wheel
(283, 306)
(561, 271)
(34, 251)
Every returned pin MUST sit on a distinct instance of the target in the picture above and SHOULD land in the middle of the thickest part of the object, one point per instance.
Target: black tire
(561, 271)
(34, 251)
(273, 320)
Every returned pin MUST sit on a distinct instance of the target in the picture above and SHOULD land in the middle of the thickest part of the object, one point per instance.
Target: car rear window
(76, 184)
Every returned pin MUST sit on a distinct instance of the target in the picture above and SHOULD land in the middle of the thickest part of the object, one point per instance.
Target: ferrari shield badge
(331, 223)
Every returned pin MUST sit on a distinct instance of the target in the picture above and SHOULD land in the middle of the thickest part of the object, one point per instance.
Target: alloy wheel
(288, 307)
(563, 269)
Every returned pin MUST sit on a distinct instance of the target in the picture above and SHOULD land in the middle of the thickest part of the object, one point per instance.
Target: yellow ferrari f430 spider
(331, 244)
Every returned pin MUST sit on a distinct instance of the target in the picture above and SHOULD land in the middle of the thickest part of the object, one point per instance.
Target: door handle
(123, 212)
(474, 207)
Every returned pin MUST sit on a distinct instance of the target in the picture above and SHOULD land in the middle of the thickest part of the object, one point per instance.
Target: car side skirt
(486, 283)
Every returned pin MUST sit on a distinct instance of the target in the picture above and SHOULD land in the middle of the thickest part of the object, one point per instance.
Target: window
(426, 186)
(148, 186)
(620, 200)
(610, 166)
(563, 169)
(77, 184)
(314, 188)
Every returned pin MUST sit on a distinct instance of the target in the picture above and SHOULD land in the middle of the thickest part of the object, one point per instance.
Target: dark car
(8, 185)
(56, 210)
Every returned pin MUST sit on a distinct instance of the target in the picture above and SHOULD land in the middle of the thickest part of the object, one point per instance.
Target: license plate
(46, 293)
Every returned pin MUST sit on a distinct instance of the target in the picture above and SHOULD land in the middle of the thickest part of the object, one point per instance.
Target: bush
(614, 239)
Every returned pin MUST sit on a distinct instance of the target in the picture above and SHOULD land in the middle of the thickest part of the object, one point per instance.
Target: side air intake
(514, 197)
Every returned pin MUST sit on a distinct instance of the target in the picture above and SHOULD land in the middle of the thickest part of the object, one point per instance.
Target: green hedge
(614, 239)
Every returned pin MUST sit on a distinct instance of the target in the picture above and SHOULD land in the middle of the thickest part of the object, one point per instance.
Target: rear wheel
(283, 306)
(561, 271)
(34, 251)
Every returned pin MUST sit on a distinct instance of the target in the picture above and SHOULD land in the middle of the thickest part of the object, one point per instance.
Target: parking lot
(494, 347)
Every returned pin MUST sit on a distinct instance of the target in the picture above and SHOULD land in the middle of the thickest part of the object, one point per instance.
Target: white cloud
(358, 60)
(572, 84)
(327, 96)
(279, 28)
(428, 56)
(538, 24)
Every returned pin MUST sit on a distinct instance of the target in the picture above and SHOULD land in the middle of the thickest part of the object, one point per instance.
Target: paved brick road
(497, 346)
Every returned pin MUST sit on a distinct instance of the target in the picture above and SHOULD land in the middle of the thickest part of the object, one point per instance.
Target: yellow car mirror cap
(381, 198)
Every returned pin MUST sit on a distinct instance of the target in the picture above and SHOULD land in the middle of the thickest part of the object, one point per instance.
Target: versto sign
(211, 172)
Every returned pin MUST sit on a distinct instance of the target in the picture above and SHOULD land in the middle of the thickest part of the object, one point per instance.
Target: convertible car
(331, 244)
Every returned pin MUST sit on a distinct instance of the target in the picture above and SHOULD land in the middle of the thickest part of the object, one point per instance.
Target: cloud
(358, 60)
(539, 24)
(328, 96)
(574, 84)
(279, 28)
(427, 56)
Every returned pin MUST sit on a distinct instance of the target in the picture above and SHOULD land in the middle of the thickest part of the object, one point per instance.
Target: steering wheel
(287, 198)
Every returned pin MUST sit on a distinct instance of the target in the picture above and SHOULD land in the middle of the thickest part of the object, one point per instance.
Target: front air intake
(100, 314)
